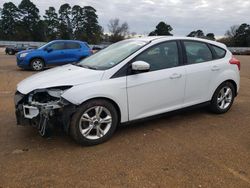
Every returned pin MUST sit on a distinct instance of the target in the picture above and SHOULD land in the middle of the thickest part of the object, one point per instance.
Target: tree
(162, 29)
(9, 21)
(199, 33)
(228, 41)
(65, 27)
(118, 32)
(210, 36)
(242, 36)
(24, 23)
(192, 34)
(1, 28)
(51, 22)
(30, 20)
(78, 21)
(93, 31)
(232, 31)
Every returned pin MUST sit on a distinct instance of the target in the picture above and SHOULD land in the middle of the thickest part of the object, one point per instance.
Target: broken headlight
(18, 97)
(47, 95)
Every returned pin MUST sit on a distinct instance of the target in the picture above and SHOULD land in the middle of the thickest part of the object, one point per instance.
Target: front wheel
(11, 52)
(94, 122)
(223, 98)
(37, 64)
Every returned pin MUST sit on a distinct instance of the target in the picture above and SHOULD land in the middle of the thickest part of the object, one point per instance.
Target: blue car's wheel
(37, 64)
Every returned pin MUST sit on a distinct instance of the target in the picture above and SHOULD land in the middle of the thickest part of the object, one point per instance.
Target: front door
(162, 88)
(56, 53)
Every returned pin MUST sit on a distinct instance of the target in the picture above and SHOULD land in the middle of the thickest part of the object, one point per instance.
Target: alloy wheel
(95, 122)
(225, 98)
(37, 65)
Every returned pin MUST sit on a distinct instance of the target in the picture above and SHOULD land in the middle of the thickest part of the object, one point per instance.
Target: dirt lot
(188, 149)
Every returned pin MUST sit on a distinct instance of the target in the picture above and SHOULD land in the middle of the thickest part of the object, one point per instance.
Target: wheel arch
(230, 81)
(235, 86)
(37, 57)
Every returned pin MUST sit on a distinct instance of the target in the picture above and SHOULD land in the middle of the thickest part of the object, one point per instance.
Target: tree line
(23, 22)
(164, 29)
(236, 36)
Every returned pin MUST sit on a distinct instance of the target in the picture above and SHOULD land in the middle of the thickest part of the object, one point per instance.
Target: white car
(129, 80)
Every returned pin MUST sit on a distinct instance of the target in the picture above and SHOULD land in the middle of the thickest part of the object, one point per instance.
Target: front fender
(113, 89)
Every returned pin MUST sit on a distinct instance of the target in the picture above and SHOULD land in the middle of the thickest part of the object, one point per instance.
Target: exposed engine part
(43, 124)
(30, 111)
(43, 108)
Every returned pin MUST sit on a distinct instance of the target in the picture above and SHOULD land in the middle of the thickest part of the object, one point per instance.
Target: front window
(45, 45)
(112, 55)
(161, 56)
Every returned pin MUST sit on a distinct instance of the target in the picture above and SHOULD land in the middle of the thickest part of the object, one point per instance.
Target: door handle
(215, 68)
(175, 76)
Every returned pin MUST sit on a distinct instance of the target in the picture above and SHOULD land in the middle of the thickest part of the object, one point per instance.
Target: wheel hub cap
(95, 122)
(224, 98)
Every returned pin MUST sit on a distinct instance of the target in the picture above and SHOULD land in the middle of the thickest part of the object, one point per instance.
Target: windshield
(45, 45)
(112, 55)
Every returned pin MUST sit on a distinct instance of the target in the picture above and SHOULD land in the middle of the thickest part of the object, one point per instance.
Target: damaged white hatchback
(129, 80)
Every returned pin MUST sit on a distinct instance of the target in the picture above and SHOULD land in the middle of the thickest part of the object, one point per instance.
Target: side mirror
(49, 49)
(140, 66)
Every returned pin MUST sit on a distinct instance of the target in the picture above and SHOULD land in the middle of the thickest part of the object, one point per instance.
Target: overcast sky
(183, 15)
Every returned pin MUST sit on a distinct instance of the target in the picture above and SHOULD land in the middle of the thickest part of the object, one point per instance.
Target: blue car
(54, 53)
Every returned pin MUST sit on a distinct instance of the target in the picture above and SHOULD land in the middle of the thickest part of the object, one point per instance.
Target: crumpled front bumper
(20, 117)
(40, 115)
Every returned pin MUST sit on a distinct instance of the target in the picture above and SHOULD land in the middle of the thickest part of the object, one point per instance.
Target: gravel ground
(193, 148)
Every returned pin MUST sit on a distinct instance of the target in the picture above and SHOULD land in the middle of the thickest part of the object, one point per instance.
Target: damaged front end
(44, 108)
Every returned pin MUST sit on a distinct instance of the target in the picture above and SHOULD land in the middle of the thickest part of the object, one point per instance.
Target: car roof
(68, 41)
(165, 38)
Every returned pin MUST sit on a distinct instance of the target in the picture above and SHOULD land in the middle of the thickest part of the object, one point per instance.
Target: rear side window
(72, 45)
(197, 52)
(220, 53)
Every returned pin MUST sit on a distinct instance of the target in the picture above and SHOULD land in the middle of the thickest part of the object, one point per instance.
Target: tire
(37, 64)
(88, 128)
(223, 98)
(10, 52)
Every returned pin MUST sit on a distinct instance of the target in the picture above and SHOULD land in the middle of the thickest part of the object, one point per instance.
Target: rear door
(198, 58)
(72, 52)
(162, 88)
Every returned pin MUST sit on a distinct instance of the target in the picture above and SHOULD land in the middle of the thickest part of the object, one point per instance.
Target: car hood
(25, 51)
(67, 75)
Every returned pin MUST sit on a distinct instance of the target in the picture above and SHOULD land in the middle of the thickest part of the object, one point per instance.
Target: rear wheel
(223, 98)
(37, 64)
(94, 122)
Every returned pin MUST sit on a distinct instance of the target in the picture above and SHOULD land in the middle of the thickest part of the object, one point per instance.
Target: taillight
(235, 61)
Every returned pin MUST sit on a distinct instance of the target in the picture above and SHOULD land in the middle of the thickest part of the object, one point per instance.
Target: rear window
(86, 44)
(72, 45)
(220, 53)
